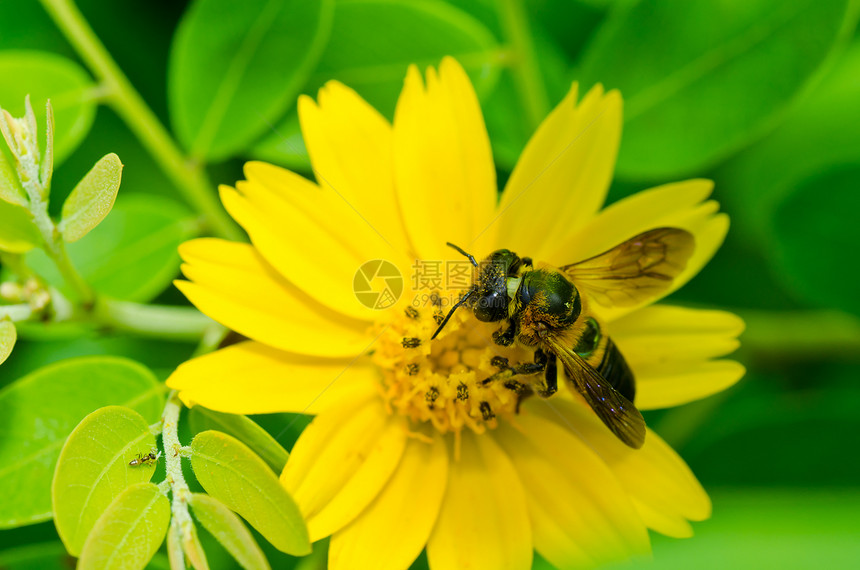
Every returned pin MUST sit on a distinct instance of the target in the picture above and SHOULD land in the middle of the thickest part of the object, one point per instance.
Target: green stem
(189, 177)
(54, 245)
(19, 312)
(157, 321)
(800, 335)
(527, 76)
(180, 492)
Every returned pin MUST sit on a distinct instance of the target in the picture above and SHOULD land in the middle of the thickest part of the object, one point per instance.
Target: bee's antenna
(462, 300)
(469, 255)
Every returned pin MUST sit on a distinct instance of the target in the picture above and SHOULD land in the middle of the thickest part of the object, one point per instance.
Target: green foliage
(775, 528)
(803, 226)
(39, 412)
(245, 430)
(46, 76)
(8, 336)
(93, 468)
(819, 134)
(10, 187)
(228, 529)
(372, 44)
(132, 254)
(730, 69)
(234, 68)
(130, 531)
(760, 95)
(228, 470)
(18, 234)
(92, 199)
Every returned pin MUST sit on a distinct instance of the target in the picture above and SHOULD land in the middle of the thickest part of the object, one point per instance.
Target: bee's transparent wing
(617, 412)
(641, 268)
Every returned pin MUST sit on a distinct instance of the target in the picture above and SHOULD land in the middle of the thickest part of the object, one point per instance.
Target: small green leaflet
(8, 335)
(92, 199)
(227, 470)
(129, 532)
(93, 469)
(227, 528)
(245, 430)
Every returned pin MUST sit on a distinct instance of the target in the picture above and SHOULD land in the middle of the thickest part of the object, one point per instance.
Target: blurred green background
(762, 96)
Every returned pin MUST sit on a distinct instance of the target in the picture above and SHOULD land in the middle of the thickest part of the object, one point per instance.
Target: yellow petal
(355, 441)
(483, 522)
(580, 513)
(351, 149)
(288, 195)
(363, 484)
(392, 531)
(675, 384)
(663, 333)
(444, 173)
(303, 250)
(661, 485)
(668, 349)
(672, 205)
(562, 177)
(252, 378)
(668, 523)
(234, 285)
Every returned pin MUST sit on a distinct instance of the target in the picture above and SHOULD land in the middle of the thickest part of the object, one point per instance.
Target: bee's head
(488, 296)
(491, 297)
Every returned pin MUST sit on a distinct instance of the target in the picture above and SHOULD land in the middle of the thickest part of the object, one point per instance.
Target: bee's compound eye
(492, 307)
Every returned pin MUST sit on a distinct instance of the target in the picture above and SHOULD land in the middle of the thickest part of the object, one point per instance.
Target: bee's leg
(550, 384)
(506, 374)
(522, 395)
(505, 337)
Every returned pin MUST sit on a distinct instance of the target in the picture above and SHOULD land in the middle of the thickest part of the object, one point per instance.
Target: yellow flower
(408, 449)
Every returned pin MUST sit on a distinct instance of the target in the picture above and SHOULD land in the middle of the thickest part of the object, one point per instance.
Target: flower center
(452, 381)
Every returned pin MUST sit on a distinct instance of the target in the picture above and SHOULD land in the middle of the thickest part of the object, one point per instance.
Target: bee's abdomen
(614, 368)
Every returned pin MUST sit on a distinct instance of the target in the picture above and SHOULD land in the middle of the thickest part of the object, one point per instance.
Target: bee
(145, 459)
(547, 309)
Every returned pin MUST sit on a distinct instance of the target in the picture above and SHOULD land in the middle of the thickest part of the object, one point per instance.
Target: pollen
(443, 382)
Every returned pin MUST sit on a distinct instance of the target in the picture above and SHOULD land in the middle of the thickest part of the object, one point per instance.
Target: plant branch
(188, 176)
(180, 493)
(800, 335)
(157, 321)
(524, 67)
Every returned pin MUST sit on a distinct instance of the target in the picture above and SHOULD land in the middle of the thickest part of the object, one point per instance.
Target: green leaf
(10, 185)
(228, 529)
(132, 254)
(47, 76)
(41, 409)
(819, 133)
(235, 67)
(93, 469)
(700, 80)
(372, 44)
(285, 145)
(129, 533)
(507, 123)
(18, 233)
(812, 230)
(233, 474)
(92, 199)
(8, 335)
(245, 430)
(194, 551)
